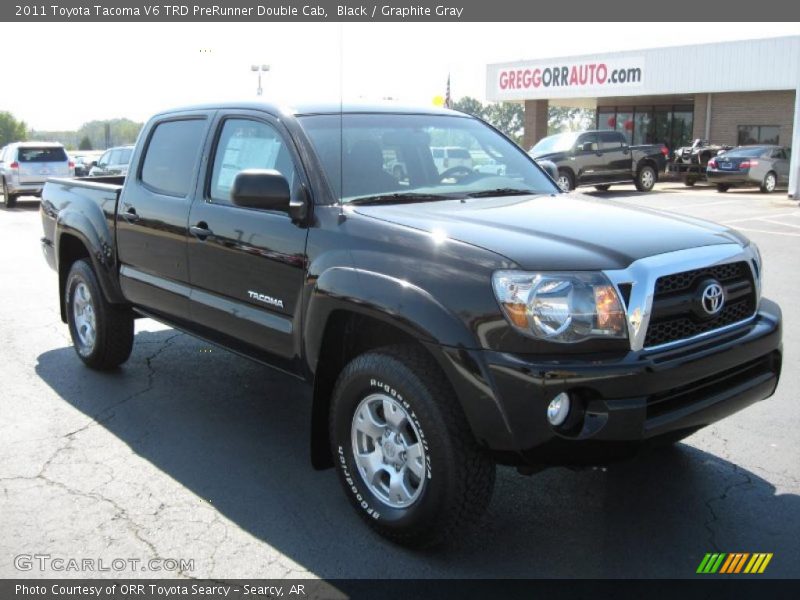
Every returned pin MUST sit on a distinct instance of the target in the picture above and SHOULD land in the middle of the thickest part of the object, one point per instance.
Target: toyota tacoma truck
(601, 159)
(444, 322)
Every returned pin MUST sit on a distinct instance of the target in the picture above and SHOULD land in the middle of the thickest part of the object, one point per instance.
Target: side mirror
(549, 167)
(266, 189)
(94, 164)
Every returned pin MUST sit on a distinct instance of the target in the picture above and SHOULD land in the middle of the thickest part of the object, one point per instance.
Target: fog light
(558, 409)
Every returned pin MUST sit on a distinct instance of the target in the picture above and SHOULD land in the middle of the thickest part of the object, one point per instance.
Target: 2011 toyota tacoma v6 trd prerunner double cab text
(446, 321)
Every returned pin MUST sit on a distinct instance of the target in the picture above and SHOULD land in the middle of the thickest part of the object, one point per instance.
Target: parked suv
(25, 166)
(449, 157)
(113, 162)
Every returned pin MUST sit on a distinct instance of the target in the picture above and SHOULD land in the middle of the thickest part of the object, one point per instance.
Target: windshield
(402, 157)
(43, 154)
(555, 143)
(750, 152)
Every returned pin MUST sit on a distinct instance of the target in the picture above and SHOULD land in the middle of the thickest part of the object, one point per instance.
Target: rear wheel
(646, 178)
(566, 181)
(723, 187)
(9, 199)
(769, 183)
(403, 449)
(689, 181)
(102, 333)
(602, 188)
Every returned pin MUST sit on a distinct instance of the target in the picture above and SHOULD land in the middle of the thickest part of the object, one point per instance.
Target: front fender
(385, 298)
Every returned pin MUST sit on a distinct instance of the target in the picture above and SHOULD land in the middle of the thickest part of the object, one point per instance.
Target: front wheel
(566, 181)
(404, 452)
(101, 332)
(769, 183)
(646, 179)
(689, 181)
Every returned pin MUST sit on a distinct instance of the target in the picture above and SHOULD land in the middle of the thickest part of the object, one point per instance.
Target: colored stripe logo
(734, 562)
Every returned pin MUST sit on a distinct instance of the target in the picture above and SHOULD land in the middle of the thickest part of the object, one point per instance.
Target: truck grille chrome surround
(653, 277)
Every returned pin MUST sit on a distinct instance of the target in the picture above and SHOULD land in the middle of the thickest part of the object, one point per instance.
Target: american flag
(448, 101)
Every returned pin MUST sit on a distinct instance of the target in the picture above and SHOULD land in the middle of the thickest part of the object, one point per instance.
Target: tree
(561, 119)
(509, 118)
(85, 144)
(471, 106)
(11, 130)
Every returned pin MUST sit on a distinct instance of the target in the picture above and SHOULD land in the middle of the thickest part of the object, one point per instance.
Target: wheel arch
(351, 312)
(77, 239)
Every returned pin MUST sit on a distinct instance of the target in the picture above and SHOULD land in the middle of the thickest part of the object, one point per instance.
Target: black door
(586, 156)
(153, 214)
(246, 265)
(616, 157)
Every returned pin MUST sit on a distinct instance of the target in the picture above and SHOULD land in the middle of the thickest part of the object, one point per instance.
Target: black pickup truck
(601, 159)
(444, 322)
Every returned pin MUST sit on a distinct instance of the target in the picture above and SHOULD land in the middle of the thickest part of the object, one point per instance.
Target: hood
(558, 232)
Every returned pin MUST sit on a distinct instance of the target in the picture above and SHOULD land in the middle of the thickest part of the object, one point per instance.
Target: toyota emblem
(713, 298)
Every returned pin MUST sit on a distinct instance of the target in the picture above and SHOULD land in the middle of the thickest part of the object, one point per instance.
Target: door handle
(130, 215)
(201, 231)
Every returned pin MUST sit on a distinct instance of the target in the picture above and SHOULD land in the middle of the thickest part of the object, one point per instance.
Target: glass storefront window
(758, 134)
(606, 118)
(662, 126)
(682, 126)
(643, 126)
(668, 125)
(625, 123)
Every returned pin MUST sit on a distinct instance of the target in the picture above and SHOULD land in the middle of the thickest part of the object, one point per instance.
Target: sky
(71, 73)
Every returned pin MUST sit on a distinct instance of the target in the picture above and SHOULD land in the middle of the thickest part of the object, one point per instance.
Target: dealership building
(735, 93)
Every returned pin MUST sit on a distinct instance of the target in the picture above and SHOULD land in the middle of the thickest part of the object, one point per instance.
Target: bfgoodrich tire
(404, 452)
(102, 333)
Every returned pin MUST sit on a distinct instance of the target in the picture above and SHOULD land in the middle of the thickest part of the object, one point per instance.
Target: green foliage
(121, 132)
(561, 119)
(86, 143)
(11, 130)
(508, 117)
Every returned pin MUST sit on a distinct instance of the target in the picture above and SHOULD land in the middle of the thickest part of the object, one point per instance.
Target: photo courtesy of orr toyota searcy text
(628, 72)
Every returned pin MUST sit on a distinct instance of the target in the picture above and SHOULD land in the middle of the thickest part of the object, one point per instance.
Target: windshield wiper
(502, 192)
(401, 198)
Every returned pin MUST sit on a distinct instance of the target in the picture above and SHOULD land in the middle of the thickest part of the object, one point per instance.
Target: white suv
(447, 157)
(25, 166)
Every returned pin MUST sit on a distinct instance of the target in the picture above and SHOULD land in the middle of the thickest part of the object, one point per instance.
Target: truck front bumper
(618, 405)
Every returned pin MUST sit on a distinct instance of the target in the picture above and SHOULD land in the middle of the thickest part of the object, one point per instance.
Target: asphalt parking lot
(190, 452)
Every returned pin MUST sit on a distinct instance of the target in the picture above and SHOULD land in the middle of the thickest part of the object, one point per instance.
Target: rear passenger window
(245, 144)
(609, 140)
(168, 166)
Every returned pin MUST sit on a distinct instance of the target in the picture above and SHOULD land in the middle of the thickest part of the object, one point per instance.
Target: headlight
(560, 307)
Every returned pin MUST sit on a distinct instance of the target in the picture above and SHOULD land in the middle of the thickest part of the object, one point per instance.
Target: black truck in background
(445, 321)
(601, 159)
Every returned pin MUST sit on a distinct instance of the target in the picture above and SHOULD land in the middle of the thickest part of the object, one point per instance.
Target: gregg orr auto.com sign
(564, 78)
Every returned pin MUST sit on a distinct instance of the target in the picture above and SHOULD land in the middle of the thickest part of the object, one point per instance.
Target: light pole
(259, 69)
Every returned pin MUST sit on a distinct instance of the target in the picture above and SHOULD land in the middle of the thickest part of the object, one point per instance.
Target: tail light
(14, 165)
(664, 150)
(71, 165)
(746, 164)
(712, 164)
